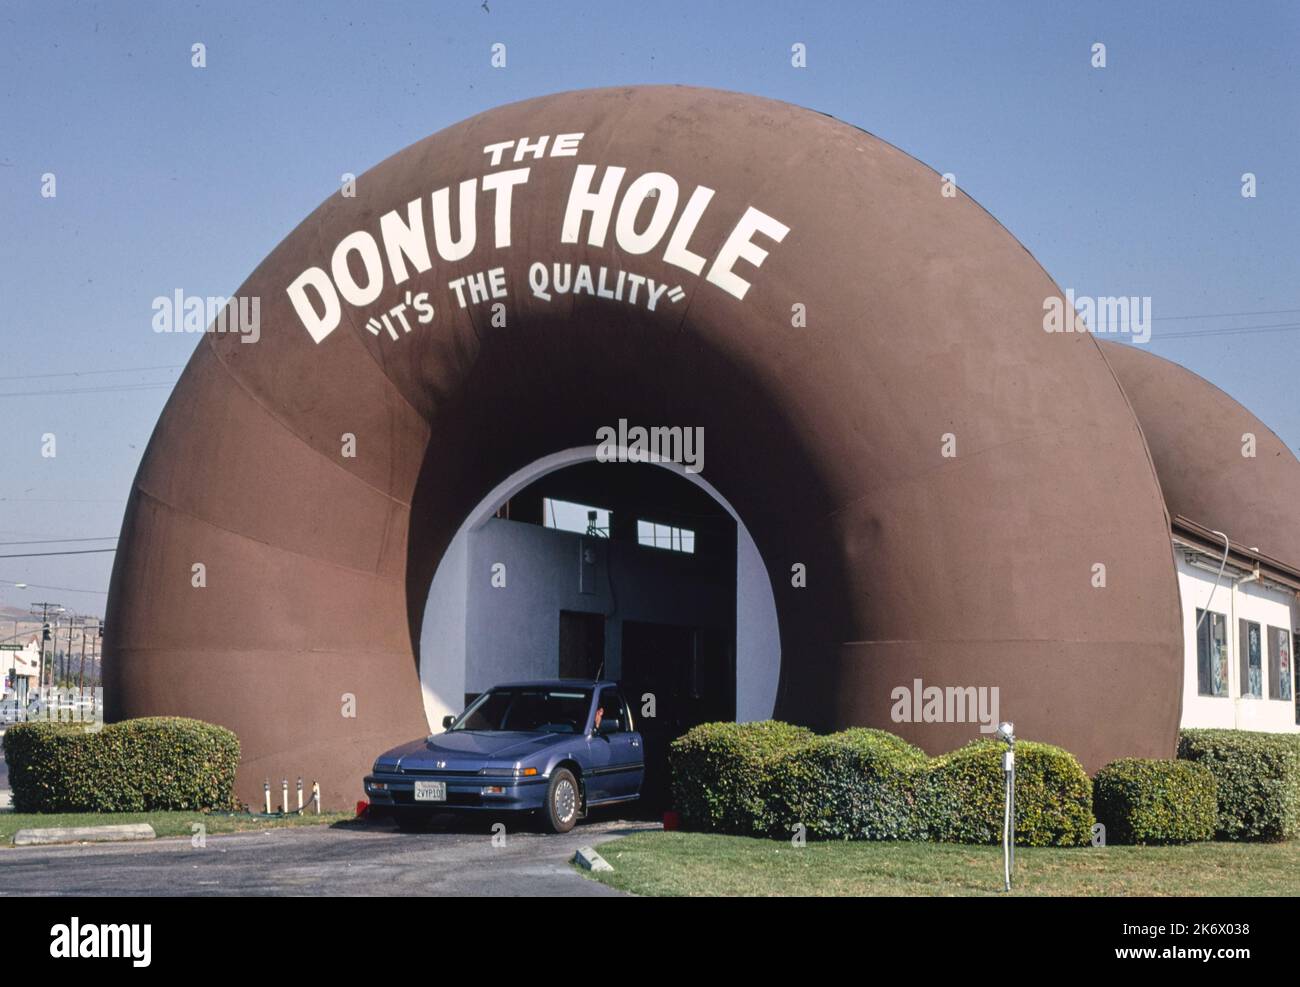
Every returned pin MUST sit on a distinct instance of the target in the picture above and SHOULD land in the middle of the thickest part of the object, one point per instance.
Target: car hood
(468, 749)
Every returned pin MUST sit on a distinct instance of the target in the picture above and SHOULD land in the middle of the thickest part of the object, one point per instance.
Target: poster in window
(1219, 630)
(1251, 650)
(1211, 653)
(1255, 656)
(1283, 644)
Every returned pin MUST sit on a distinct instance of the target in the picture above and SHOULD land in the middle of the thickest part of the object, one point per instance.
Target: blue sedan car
(556, 748)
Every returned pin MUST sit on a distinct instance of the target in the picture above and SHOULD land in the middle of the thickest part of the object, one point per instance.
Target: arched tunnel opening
(638, 573)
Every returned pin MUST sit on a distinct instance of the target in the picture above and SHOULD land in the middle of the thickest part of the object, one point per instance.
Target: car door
(618, 757)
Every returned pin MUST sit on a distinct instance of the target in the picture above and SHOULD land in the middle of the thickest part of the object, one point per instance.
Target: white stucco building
(1239, 633)
(18, 670)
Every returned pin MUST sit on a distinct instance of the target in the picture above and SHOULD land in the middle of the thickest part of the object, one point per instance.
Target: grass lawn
(163, 823)
(659, 863)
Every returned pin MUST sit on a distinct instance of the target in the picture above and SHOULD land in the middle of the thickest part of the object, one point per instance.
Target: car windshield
(528, 709)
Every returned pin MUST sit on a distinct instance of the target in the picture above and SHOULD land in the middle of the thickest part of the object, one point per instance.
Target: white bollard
(1007, 734)
(266, 790)
(1009, 823)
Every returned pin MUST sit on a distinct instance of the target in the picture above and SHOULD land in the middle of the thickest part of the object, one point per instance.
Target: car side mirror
(609, 725)
(447, 721)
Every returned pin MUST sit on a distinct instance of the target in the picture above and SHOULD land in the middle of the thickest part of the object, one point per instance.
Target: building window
(1279, 663)
(1251, 649)
(665, 536)
(564, 515)
(1211, 653)
(1295, 639)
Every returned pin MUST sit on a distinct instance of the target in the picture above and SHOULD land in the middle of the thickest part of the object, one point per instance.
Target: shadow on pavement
(472, 824)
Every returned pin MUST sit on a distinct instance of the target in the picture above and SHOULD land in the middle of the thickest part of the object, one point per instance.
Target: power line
(65, 589)
(15, 533)
(37, 555)
(56, 500)
(1227, 331)
(1224, 315)
(88, 373)
(108, 389)
(55, 541)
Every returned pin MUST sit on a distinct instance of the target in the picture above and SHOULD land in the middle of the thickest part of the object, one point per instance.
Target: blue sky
(1121, 181)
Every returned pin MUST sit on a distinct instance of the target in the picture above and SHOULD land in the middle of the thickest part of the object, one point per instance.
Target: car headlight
(508, 772)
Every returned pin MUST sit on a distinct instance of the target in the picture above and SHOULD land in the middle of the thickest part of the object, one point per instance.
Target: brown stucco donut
(1219, 465)
(924, 334)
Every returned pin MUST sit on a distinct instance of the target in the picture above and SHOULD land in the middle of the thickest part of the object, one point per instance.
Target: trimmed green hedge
(722, 773)
(144, 765)
(1258, 778)
(763, 779)
(1150, 801)
(857, 784)
(962, 796)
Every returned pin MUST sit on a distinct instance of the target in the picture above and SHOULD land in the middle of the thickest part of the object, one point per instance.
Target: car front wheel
(562, 800)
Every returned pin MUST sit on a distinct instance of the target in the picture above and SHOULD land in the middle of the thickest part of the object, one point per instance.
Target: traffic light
(45, 631)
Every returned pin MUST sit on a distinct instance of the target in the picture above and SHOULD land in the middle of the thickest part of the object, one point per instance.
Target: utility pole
(53, 665)
(95, 663)
(81, 674)
(45, 636)
(67, 655)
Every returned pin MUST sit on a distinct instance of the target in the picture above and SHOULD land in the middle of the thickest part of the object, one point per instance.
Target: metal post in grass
(1007, 733)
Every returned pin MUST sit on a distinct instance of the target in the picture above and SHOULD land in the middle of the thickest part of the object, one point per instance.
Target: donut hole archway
(453, 664)
(549, 384)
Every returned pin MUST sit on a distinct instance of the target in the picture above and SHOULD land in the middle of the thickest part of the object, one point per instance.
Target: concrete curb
(84, 834)
(588, 859)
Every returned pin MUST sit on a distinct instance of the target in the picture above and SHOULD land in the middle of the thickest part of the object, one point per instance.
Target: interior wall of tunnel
(444, 640)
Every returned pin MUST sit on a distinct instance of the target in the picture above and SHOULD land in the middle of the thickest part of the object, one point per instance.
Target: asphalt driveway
(454, 858)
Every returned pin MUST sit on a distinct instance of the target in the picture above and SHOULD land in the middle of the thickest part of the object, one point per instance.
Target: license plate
(431, 791)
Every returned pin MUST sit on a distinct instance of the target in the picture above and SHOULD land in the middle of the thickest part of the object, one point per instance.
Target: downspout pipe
(1227, 549)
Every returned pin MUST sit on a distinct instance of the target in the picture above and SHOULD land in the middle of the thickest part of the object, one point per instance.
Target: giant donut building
(907, 483)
